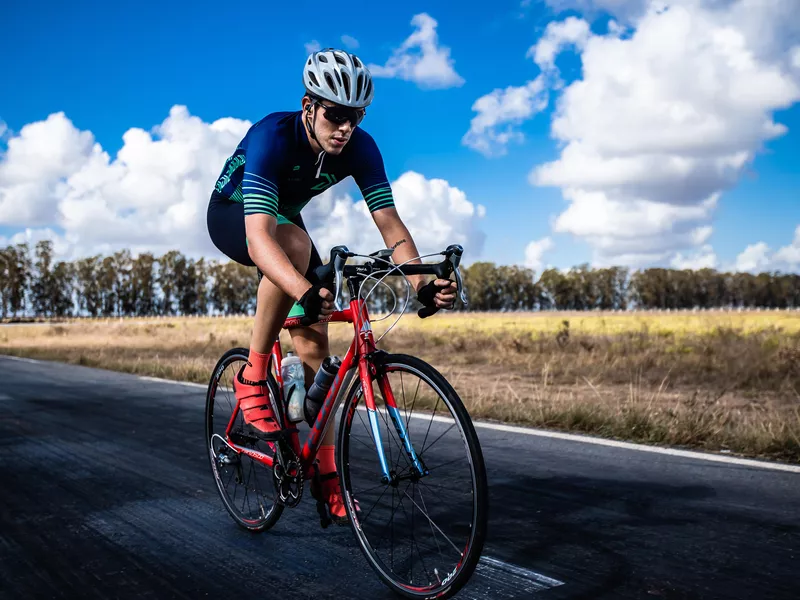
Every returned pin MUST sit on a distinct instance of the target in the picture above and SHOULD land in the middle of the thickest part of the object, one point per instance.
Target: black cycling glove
(426, 296)
(311, 302)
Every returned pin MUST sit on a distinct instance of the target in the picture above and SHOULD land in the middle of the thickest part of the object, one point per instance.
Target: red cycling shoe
(325, 488)
(255, 405)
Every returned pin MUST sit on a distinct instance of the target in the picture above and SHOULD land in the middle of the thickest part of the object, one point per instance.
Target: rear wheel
(422, 535)
(245, 485)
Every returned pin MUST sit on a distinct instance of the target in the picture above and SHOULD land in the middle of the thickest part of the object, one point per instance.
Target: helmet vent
(346, 86)
(322, 58)
(338, 79)
(357, 61)
(359, 85)
(340, 60)
(313, 78)
(368, 93)
(331, 83)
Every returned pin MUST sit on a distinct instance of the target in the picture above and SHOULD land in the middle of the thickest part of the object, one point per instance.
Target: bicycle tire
(456, 579)
(270, 516)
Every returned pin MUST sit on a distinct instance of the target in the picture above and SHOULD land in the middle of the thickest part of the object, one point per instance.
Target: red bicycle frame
(361, 347)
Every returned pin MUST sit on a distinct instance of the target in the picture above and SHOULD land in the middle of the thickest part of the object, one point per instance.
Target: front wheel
(422, 535)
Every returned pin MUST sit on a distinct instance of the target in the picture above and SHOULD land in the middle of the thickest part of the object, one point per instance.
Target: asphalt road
(105, 492)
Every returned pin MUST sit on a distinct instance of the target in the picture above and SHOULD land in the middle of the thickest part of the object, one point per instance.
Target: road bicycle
(410, 465)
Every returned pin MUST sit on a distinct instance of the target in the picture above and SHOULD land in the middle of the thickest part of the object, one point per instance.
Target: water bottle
(319, 389)
(294, 388)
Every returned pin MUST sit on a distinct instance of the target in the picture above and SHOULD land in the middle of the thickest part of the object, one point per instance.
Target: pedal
(324, 518)
(273, 436)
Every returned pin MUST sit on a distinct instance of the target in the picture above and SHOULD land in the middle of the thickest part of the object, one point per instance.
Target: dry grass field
(718, 381)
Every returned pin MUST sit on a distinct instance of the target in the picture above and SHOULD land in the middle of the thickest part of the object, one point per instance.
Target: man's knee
(311, 342)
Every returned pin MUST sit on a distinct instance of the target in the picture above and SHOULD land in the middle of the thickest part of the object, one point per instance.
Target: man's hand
(317, 303)
(435, 295)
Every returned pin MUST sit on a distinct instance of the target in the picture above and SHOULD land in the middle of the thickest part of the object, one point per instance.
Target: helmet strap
(310, 125)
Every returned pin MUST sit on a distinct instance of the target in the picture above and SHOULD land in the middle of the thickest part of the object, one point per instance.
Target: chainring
(287, 475)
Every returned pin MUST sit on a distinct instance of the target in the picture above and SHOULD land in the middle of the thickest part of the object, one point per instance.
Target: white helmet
(338, 76)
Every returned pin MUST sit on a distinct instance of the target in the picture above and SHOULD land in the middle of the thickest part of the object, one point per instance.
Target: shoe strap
(241, 379)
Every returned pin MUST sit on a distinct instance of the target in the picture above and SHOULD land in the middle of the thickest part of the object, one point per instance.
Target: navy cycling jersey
(275, 171)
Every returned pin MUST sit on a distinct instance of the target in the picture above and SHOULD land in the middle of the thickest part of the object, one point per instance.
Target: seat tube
(399, 424)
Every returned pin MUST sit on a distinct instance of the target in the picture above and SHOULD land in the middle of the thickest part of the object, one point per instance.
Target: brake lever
(453, 253)
(339, 256)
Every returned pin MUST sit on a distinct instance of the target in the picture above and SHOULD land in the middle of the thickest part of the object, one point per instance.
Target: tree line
(34, 283)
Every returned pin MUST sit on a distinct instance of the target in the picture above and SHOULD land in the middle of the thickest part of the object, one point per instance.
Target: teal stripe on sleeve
(379, 205)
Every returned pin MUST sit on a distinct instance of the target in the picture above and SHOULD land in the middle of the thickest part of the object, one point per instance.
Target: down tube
(321, 424)
(399, 424)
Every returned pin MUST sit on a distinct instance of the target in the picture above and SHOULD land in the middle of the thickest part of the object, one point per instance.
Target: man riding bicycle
(283, 161)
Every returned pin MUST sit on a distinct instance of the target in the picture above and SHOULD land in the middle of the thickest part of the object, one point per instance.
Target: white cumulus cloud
(557, 36)
(350, 42)
(502, 111)
(499, 112)
(662, 122)
(759, 257)
(421, 59)
(626, 10)
(789, 256)
(151, 197)
(755, 258)
(34, 168)
(154, 194)
(312, 46)
(436, 214)
(534, 252)
(705, 258)
(32, 236)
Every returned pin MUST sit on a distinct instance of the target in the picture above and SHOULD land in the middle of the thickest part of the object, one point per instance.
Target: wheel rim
(418, 534)
(244, 484)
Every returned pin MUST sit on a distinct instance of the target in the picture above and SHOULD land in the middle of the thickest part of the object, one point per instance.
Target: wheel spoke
(435, 539)
(433, 414)
(374, 505)
(437, 439)
(432, 522)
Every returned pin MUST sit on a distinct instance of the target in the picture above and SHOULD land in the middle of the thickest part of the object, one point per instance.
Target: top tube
(337, 316)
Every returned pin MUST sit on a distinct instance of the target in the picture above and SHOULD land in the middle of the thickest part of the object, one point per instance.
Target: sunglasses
(338, 115)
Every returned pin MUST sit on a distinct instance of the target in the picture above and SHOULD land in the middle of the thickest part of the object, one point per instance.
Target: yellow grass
(718, 381)
(611, 322)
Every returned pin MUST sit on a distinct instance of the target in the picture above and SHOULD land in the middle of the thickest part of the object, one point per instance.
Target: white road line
(584, 439)
(509, 580)
(21, 359)
(173, 382)
(731, 460)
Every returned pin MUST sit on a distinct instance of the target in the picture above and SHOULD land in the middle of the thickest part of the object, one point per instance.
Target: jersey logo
(329, 181)
(233, 163)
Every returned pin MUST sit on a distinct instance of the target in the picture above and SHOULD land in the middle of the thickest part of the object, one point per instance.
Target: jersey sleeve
(261, 173)
(370, 175)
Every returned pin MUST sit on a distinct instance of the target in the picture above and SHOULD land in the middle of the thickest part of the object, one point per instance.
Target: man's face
(332, 136)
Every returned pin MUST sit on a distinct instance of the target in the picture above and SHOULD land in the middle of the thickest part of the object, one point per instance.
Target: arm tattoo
(403, 241)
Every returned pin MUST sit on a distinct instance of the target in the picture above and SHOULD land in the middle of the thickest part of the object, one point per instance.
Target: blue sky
(113, 66)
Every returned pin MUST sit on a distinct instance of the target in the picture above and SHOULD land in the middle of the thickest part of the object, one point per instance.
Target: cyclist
(283, 161)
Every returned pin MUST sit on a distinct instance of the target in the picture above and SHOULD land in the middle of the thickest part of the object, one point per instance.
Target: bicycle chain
(288, 487)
